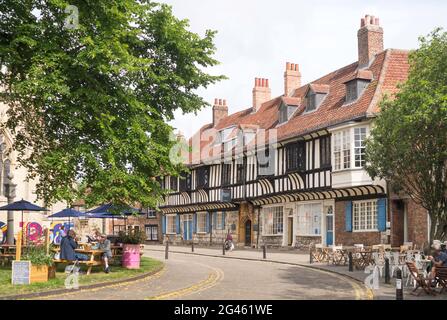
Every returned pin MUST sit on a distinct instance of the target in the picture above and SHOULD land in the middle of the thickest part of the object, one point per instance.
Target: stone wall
(271, 241)
(304, 242)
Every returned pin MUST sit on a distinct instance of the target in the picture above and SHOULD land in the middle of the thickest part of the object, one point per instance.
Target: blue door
(187, 230)
(329, 230)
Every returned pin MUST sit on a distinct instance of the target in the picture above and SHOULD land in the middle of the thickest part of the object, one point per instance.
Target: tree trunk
(437, 228)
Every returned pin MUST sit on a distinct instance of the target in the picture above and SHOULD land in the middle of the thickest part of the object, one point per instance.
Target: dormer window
(315, 96)
(287, 108)
(285, 112)
(354, 89)
(357, 84)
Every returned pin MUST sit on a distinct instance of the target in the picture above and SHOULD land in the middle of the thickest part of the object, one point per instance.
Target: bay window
(359, 147)
(272, 221)
(348, 142)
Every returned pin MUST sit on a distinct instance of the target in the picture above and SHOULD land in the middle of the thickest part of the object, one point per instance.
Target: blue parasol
(68, 213)
(22, 205)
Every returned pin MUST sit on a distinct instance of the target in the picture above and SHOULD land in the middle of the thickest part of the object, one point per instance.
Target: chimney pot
(220, 111)
(370, 40)
(261, 93)
(292, 79)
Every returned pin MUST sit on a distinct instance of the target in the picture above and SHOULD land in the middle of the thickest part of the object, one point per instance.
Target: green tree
(408, 144)
(90, 89)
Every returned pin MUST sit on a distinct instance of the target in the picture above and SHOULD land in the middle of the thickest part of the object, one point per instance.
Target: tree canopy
(90, 87)
(408, 144)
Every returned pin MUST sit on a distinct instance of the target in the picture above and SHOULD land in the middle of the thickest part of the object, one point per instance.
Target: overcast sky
(257, 37)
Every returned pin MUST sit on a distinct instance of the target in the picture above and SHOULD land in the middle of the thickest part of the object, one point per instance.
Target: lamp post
(10, 193)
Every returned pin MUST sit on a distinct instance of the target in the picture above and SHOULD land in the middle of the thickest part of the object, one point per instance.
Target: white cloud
(256, 37)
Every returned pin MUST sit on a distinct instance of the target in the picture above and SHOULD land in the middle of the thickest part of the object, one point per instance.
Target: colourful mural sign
(55, 231)
(3, 232)
(34, 231)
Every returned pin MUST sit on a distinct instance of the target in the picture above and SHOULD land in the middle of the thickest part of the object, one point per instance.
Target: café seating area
(408, 258)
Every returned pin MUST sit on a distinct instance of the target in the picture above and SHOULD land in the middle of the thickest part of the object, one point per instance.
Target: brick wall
(417, 228)
(350, 238)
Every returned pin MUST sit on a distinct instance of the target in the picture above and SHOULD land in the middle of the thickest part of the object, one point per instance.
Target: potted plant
(131, 241)
(40, 263)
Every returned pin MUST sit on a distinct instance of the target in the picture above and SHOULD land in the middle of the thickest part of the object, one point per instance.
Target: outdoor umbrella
(108, 211)
(22, 205)
(67, 213)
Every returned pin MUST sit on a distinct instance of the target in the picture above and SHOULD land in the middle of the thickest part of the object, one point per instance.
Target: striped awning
(198, 207)
(320, 195)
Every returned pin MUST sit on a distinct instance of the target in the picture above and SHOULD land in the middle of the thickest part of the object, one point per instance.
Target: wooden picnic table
(94, 258)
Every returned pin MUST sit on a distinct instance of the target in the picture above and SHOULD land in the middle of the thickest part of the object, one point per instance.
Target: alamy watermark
(72, 20)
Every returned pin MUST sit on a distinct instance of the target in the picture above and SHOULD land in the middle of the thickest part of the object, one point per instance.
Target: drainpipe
(388, 210)
(259, 225)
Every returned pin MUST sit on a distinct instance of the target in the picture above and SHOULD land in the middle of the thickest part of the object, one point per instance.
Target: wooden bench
(89, 264)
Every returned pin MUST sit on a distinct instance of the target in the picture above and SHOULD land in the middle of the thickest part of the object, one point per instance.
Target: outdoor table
(340, 257)
(361, 259)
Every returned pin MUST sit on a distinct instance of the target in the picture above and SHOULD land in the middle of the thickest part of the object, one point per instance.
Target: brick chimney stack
(261, 93)
(292, 78)
(220, 110)
(370, 40)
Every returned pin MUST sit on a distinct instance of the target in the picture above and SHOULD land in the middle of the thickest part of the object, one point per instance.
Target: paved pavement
(240, 275)
(293, 257)
(205, 277)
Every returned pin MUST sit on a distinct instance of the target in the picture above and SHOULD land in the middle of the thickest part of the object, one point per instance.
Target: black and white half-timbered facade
(289, 171)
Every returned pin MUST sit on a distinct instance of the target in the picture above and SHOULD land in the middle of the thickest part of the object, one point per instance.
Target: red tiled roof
(388, 69)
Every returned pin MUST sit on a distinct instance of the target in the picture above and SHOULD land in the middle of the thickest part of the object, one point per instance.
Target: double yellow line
(213, 279)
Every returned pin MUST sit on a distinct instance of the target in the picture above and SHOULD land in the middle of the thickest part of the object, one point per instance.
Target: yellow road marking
(213, 279)
(360, 292)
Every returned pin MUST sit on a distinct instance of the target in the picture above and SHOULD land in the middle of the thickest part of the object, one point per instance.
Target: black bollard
(351, 266)
(192, 246)
(223, 249)
(167, 250)
(311, 256)
(264, 252)
(387, 270)
(399, 289)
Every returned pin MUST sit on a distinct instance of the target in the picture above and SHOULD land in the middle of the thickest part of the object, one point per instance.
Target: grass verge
(97, 276)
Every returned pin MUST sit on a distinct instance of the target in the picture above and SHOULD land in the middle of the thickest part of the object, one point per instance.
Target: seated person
(94, 237)
(104, 244)
(68, 246)
(439, 259)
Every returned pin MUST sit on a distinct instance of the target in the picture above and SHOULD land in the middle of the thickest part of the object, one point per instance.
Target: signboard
(21, 271)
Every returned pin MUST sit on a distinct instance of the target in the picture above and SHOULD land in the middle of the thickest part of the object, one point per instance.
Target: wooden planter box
(52, 272)
(39, 274)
